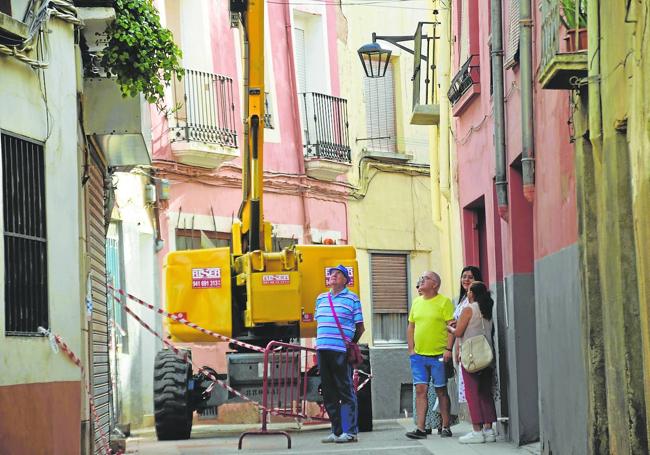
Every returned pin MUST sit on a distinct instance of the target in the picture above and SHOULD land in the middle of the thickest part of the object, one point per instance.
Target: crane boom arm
(251, 212)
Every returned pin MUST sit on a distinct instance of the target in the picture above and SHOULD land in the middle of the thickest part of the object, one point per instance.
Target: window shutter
(389, 283)
(512, 50)
(379, 94)
(299, 50)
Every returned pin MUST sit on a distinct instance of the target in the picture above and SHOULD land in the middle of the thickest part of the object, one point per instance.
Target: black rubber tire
(171, 397)
(364, 396)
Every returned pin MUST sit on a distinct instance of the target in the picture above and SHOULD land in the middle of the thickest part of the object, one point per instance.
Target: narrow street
(386, 438)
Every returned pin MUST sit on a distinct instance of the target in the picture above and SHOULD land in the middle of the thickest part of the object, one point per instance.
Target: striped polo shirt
(348, 309)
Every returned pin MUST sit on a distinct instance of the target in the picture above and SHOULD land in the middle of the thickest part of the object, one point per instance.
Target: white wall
(135, 364)
(48, 115)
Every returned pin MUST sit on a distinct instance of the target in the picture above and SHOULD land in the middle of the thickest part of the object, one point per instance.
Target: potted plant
(573, 15)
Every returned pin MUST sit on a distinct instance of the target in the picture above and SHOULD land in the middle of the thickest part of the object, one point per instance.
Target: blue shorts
(426, 368)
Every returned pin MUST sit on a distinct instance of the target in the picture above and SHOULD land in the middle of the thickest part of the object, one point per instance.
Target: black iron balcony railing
(205, 109)
(463, 80)
(424, 55)
(325, 127)
(268, 118)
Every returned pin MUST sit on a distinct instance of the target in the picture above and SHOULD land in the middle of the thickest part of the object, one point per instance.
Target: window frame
(41, 309)
(407, 254)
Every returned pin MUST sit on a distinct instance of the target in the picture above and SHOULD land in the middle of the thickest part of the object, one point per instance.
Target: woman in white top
(468, 275)
(476, 319)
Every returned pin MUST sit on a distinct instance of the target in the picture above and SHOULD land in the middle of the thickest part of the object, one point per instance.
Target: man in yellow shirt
(430, 346)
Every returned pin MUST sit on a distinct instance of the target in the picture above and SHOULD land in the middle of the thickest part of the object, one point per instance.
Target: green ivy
(140, 52)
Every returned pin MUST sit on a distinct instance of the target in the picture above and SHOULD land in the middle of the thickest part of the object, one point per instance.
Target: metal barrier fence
(285, 389)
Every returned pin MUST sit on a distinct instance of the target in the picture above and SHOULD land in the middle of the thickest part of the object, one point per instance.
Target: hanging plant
(140, 52)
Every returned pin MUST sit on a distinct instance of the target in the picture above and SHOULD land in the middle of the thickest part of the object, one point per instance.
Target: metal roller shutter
(389, 283)
(98, 326)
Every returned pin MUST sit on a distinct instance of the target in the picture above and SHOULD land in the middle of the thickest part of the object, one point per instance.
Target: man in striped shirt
(336, 373)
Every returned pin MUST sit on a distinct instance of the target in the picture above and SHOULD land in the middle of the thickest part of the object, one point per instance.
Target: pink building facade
(197, 148)
(526, 247)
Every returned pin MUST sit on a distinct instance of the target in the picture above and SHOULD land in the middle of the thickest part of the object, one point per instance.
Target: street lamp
(374, 59)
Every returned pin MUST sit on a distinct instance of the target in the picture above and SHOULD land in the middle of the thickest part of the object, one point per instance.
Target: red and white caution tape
(182, 320)
(218, 336)
(184, 357)
(57, 341)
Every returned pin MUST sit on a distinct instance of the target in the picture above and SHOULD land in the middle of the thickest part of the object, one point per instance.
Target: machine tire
(171, 397)
(364, 396)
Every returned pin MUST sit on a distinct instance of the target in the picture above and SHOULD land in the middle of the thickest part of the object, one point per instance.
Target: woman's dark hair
(483, 298)
(476, 272)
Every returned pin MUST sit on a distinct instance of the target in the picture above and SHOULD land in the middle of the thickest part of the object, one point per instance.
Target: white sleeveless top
(477, 325)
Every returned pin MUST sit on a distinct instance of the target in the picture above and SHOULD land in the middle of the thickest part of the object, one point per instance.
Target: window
(476, 247)
(25, 236)
(389, 283)
(197, 239)
(5, 7)
(468, 29)
(379, 95)
(512, 46)
(280, 243)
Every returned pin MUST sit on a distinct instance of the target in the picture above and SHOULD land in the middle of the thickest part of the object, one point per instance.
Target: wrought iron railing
(463, 80)
(424, 55)
(325, 126)
(268, 117)
(205, 110)
(562, 17)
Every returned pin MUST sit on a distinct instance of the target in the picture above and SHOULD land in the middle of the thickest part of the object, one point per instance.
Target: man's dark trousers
(338, 391)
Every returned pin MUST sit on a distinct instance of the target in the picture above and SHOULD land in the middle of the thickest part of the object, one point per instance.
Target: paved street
(387, 438)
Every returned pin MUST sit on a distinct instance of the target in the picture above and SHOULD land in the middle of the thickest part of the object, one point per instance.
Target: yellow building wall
(407, 209)
(639, 145)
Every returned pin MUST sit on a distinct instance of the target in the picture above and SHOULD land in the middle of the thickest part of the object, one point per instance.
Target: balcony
(564, 44)
(425, 108)
(465, 85)
(202, 127)
(325, 135)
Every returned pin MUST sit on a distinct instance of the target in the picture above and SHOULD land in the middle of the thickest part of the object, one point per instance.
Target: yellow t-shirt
(430, 317)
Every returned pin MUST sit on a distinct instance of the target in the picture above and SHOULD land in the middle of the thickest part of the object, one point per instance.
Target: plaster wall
(639, 142)
(561, 358)
(52, 121)
(37, 383)
(135, 361)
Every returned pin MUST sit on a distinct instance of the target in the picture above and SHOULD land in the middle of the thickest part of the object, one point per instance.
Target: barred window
(25, 237)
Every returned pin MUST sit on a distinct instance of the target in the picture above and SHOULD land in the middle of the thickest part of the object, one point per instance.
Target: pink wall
(532, 230)
(286, 185)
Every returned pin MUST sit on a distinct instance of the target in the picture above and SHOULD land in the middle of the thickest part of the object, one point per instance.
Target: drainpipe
(501, 181)
(593, 57)
(444, 79)
(297, 127)
(526, 68)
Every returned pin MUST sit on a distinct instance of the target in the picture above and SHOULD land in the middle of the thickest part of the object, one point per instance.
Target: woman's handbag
(353, 351)
(476, 352)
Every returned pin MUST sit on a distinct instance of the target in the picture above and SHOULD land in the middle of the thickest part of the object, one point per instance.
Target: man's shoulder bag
(352, 349)
(476, 353)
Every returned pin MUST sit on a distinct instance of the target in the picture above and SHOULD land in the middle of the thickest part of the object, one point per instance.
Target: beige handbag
(476, 352)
